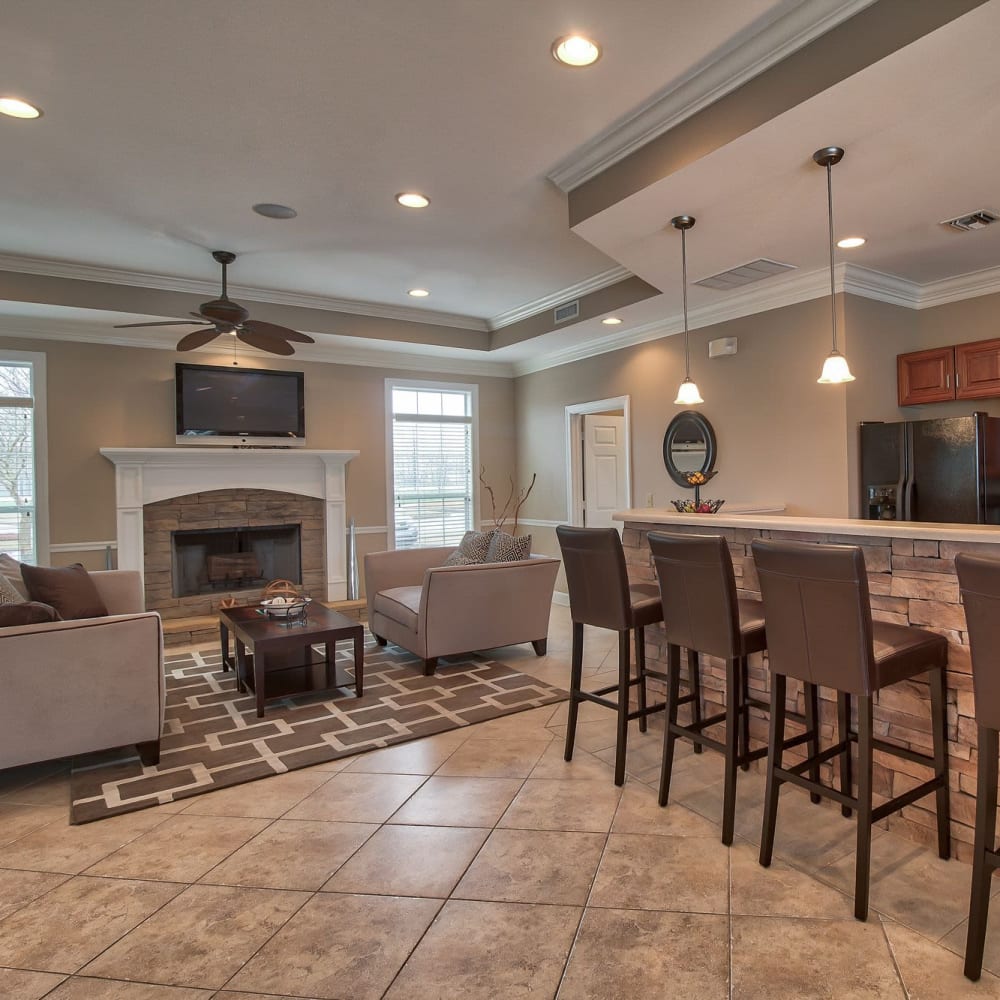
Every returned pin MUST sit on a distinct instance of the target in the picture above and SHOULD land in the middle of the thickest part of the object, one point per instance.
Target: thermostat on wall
(722, 346)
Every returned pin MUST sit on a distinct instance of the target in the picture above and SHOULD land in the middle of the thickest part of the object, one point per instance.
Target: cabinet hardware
(947, 381)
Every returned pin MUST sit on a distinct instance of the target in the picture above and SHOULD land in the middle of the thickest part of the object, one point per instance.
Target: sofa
(72, 687)
(434, 610)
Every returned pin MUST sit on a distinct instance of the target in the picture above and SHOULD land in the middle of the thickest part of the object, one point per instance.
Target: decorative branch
(521, 497)
(515, 497)
(493, 499)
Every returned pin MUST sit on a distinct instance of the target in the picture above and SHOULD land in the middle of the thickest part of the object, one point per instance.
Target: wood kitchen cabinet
(964, 371)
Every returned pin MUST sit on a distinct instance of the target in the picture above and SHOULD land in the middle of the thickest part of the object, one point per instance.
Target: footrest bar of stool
(905, 752)
(992, 859)
(759, 754)
(894, 805)
(688, 732)
(640, 713)
(593, 696)
(821, 758)
(712, 720)
(814, 786)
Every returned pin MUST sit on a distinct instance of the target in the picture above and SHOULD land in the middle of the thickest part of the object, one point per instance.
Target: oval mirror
(688, 446)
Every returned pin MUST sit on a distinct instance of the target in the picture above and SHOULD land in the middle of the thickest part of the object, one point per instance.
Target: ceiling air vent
(973, 221)
(569, 311)
(745, 274)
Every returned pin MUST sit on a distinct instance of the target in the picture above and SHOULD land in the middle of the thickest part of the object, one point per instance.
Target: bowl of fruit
(697, 506)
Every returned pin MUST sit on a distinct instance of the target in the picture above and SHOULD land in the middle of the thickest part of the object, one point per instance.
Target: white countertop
(733, 518)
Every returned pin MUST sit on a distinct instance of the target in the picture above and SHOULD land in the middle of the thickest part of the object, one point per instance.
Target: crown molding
(603, 280)
(962, 286)
(197, 286)
(741, 60)
(330, 354)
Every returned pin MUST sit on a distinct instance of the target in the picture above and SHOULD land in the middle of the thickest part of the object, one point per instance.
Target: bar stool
(703, 614)
(979, 580)
(600, 595)
(820, 630)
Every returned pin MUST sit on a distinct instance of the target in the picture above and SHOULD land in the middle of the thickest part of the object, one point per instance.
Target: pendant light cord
(829, 206)
(684, 279)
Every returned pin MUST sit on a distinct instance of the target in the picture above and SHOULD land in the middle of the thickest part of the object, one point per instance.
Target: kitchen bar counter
(911, 576)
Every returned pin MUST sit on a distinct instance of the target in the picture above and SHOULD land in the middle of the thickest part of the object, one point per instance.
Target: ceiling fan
(222, 315)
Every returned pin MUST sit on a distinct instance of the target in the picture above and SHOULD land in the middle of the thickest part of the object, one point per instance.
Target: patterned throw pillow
(509, 548)
(471, 549)
(8, 595)
(10, 571)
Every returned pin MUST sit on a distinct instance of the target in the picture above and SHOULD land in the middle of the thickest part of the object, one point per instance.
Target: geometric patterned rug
(213, 739)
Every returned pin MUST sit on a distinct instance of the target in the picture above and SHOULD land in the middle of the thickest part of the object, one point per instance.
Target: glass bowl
(701, 507)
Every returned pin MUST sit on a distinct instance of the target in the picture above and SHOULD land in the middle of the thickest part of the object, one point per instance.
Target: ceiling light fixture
(576, 51)
(418, 293)
(835, 368)
(16, 108)
(611, 321)
(687, 392)
(412, 199)
(270, 210)
(850, 242)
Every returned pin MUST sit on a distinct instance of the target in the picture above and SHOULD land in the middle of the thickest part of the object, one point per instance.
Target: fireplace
(209, 560)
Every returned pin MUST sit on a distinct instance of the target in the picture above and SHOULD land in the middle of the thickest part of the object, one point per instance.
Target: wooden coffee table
(278, 655)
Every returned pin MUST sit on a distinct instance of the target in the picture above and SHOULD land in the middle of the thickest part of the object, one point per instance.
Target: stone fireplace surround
(145, 476)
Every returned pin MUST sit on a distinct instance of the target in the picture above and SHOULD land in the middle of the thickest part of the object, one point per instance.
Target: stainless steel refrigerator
(932, 470)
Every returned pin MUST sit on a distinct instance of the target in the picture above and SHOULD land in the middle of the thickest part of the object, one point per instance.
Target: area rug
(213, 738)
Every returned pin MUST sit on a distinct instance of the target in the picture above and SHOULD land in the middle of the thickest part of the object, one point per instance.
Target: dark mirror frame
(673, 427)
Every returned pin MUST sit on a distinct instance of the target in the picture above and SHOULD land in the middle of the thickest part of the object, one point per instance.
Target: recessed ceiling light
(418, 293)
(18, 109)
(272, 211)
(611, 321)
(575, 50)
(412, 199)
(850, 242)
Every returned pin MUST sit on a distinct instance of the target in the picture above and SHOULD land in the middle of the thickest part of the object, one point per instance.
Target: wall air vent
(973, 221)
(745, 274)
(569, 311)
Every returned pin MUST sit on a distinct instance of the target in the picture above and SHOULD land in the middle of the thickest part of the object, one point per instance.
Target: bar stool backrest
(596, 576)
(698, 589)
(818, 613)
(979, 579)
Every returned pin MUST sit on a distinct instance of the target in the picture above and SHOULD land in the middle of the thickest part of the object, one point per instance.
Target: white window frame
(39, 412)
(390, 493)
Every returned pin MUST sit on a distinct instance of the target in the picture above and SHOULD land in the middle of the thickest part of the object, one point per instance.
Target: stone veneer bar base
(912, 581)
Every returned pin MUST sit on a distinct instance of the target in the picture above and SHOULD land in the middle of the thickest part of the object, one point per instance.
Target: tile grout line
(892, 956)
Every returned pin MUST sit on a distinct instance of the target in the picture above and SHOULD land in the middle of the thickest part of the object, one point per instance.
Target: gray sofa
(434, 610)
(76, 686)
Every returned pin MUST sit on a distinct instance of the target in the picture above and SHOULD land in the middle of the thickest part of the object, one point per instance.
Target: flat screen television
(229, 405)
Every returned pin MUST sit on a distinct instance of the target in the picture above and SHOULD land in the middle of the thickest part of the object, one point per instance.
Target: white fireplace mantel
(145, 475)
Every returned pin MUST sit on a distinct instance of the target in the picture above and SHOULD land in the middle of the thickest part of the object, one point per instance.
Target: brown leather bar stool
(600, 595)
(979, 580)
(703, 613)
(820, 630)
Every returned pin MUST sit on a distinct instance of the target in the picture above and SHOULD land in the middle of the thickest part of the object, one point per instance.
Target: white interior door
(603, 469)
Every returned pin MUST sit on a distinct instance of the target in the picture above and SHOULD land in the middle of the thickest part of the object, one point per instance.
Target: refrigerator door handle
(903, 487)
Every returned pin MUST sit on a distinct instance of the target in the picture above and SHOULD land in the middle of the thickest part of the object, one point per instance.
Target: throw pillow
(472, 549)
(10, 570)
(8, 595)
(26, 613)
(509, 548)
(69, 589)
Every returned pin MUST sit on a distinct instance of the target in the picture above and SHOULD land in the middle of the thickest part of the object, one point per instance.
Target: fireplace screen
(223, 559)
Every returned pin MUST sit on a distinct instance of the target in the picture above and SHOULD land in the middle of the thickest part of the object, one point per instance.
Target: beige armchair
(434, 610)
(77, 686)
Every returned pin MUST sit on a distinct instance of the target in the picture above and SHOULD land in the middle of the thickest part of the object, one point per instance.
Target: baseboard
(561, 598)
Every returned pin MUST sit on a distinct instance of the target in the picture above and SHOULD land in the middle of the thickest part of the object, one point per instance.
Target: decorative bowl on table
(284, 607)
(697, 506)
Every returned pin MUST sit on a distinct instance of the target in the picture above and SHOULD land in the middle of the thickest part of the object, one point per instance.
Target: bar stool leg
(862, 872)
(640, 671)
(575, 684)
(986, 831)
(939, 728)
(843, 735)
(694, 676)
(811, 694)
(745, 710)
(732, 736)
(624, 676)
(669, 737)
(775, 750)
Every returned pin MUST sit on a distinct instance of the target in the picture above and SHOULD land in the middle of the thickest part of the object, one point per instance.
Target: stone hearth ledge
(145, 475)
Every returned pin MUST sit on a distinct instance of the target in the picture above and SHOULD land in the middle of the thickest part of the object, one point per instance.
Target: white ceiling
(164, 122)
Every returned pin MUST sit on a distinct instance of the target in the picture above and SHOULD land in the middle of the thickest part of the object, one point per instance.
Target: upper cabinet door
(977, 369)
(926, 376)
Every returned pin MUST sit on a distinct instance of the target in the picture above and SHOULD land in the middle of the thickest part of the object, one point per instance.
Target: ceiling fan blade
(273, 330)
(169, 322)
(197, 339)
(264, 343)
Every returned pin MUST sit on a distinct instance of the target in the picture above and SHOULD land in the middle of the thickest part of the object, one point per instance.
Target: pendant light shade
(687, 391)
(835, 368)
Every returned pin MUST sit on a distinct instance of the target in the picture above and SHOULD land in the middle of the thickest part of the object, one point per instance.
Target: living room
(356, 155)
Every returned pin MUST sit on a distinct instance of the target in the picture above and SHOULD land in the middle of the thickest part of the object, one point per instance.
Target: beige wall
(117, 396)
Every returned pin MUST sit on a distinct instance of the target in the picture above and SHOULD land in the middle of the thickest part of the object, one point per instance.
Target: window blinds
(17, 462)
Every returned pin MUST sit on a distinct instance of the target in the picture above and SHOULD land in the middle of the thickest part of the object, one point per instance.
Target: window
(432, 453)
(19, 449)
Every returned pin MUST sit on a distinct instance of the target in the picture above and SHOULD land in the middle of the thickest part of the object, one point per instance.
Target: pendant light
(687, 392)
(835, 369)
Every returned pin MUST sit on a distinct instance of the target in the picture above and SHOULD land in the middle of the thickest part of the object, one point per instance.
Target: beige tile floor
(474, 864)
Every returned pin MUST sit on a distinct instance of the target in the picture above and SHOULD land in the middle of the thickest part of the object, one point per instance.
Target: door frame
(574, 464)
